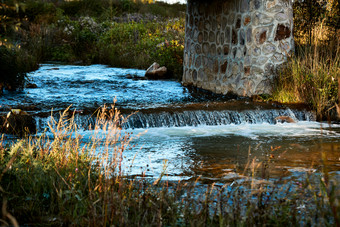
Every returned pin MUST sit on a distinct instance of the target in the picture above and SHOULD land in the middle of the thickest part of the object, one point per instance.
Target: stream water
(191, 135)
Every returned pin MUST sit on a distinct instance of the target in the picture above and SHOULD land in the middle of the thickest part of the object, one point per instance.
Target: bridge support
(236, 46)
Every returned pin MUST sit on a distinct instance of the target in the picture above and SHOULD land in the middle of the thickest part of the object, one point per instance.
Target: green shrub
(14, 64)
(39, 11)
(140, 44)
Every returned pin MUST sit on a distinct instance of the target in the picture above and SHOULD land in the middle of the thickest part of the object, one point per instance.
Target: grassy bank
(68, 182)
(311, 75)
(119, 33)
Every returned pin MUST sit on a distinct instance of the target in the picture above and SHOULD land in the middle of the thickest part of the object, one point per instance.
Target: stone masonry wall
(236, 45)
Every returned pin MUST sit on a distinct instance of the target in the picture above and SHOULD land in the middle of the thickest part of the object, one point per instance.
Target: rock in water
(18, 122)
(284, 119)
(156, 72)
(31, 85)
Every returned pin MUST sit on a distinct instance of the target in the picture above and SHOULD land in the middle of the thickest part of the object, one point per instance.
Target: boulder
(156, 72)
(284, 119)
(17, 122)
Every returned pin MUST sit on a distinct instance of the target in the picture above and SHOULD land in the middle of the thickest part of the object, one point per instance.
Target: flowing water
(185, 135)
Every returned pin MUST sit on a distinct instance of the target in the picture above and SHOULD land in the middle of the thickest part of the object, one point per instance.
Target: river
(185, 134)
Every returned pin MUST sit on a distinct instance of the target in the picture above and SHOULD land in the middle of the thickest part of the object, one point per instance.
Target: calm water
(183, 135)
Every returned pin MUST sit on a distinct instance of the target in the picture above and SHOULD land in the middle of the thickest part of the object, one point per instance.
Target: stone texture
(236, 45)
(282, 32)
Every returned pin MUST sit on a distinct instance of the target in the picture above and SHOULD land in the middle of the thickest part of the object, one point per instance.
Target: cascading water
(191, 118)
(204, 118)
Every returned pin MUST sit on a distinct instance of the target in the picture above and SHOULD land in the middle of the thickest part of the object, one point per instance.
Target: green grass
(66, 181)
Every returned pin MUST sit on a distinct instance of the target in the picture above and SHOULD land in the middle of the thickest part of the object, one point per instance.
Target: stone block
(249, 35)
(242, 37)
(282, 32)
(247, 61)
(226, 49)
(278, 58)
(227, 35)
(239, 53)
(219, 51)
(198, 49)
(200, 37)
(246, 20)
(274, 6)
(212, 37)
(218, 38)
(238, 22)
(244, 6)
(200, 75)
(262, 19)
(205, 48)
(235, 68)
(216, 67)
(234, 51)
(213, 50)
(247, 70)
(268, 48)
(281, 17)
(205, 36)
(256, 70)
(231, 18)
(198, 62)
(256, 51)
(261, 60)
(234, 38)
(224, 67)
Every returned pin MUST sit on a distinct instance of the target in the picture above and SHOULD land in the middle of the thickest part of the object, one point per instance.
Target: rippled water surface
(90, 86)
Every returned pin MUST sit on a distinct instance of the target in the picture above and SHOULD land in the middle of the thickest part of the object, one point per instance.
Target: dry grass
(311, 75)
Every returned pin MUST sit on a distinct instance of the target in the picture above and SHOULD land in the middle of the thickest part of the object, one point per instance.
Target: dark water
(184, 136)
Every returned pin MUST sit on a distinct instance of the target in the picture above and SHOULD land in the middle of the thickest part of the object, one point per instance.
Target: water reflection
(223, 152)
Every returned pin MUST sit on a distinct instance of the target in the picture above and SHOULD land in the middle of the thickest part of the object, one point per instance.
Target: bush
(14, 64)
(140, 44)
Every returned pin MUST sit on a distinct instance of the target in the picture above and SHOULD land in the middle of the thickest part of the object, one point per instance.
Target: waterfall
(193, 118)
(203, 117)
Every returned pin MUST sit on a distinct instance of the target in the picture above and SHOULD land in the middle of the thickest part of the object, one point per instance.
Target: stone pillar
(236, 45)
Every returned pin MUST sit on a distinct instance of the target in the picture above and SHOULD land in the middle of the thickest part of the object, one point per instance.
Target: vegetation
(67, 181)
(311, 76)
(120, 33)
(14, 64)
(312, 73)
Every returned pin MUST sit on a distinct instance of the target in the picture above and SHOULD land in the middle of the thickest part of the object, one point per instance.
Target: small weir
(210, 118)
(155, 118)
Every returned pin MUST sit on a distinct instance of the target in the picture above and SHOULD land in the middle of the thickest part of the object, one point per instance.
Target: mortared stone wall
(236, 46)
